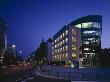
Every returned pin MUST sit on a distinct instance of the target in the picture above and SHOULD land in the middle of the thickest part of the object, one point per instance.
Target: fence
(76, 74)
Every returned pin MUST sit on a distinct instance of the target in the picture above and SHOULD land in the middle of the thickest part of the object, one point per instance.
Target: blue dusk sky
(31, 20)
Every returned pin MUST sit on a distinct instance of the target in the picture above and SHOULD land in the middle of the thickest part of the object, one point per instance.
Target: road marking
(28, 79)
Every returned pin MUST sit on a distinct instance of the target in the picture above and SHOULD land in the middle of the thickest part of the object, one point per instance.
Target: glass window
(66, 40)
(66, 32)
(73, 39)
(60, 43)
(55, 41)
(66, 55)
(91, 25)
(85, 42)
(73, 47)
(78, 25)
(61, 37)
(66, 47)
(63, 34)
(87, 49)
(73, 55)
(74, 31)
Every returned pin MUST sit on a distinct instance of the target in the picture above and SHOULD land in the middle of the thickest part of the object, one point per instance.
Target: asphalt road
(27, 76)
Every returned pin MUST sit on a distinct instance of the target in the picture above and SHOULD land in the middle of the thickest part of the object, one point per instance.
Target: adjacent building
(79, 42)
(3, 37)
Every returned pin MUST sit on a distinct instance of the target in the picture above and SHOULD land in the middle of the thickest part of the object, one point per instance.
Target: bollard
(57, 73)
(82, 76)
(69, 75)
(97, 76)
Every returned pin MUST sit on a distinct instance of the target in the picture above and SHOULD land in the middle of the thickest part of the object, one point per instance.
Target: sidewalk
(63, 78)
(38, 72)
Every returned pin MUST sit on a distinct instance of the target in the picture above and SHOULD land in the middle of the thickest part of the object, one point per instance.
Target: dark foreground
(27, 76)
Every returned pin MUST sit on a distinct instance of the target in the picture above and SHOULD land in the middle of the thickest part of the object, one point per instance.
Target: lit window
(66, 32)
(73, 47)
(66, 40)
(60, 43)
(55, 46)
(55, 41)
(87, 49)
(73, 39)
(86, 42)
(55, 57)
(61, 37)
(66, 55)
(73, 55)
(63, 34)
(60, 49)
(78, 25)
(66, 47)
(74, 31)
(63, 41)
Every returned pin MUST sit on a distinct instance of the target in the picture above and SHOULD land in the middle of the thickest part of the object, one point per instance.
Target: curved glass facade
(91, 29)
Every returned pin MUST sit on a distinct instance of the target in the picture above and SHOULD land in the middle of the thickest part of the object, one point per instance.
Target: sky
(30, 21)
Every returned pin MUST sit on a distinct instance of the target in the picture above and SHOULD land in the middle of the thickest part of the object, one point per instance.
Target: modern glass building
(79, 41)
(3, 37)
(91, 30)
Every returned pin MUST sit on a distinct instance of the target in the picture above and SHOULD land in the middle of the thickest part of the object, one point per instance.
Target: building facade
(91, 30)
(3, 37)
(79, 42)
(66, 45)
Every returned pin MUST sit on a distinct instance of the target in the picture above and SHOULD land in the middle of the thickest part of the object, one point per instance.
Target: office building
(79, 42)
(3, 38)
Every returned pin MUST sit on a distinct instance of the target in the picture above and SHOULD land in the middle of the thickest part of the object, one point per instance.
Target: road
(29, 75)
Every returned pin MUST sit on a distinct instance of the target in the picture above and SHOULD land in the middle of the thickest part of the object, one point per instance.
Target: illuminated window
(73, 39)
(66, 55)
(86, 42)
(60, 43)
(66, 40)
(55, 46)
(73, 47)
(91, 25)
(73, 55)
(63, 34)
(78, 25)
(60, 49)
(55, 57)
(87, 49)
(66, 47)
(61, 37)
(63, 41)
(74, 31)
(66, 33)
(55, 41)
